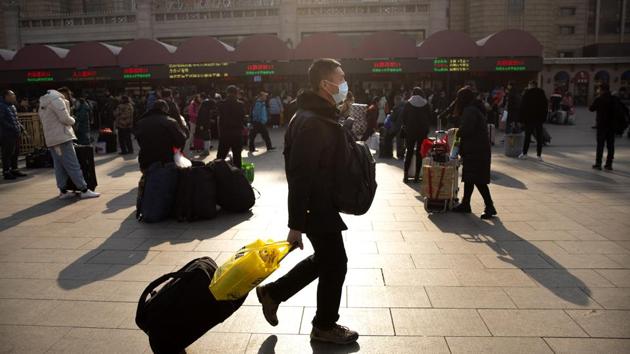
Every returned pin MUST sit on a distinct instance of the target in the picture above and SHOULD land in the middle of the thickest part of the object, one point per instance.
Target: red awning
(262, 47)
(323, 45)
(146, 52)
(447, 44)
(203, 49)
(386, 45)
(5, 58)
(511, 42)
(92, 54)
(39, 56)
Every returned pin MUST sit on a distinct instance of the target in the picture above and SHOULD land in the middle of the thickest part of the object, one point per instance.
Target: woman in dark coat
(416, 117)
(474, 150)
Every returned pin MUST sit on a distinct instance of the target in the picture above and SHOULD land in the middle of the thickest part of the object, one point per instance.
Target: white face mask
(340, 96)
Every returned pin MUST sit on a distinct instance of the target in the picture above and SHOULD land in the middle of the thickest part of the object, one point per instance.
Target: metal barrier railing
(33, 136)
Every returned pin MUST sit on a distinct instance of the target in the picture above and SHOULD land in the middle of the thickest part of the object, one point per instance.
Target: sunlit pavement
(550, 274)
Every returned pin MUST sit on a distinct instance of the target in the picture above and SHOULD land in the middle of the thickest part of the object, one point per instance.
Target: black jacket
(474, 145)
(513, 106)
(310, 156)
(205, 117)
(604, 106)
(157, 135)
(533, 107)
(231, 118)
(416, 117)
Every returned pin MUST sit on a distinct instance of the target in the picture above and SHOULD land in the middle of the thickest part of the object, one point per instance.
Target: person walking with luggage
(54, 112)
(124, 124)
(260, 117)
(475, 151)
(231, 124)
(158, 134)
(416, 116)
(310, 157)
(604, 106)
(532, 115)
(83, 116)
(10, 130)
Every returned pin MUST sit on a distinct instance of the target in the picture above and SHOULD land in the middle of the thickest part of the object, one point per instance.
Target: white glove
(180, 160)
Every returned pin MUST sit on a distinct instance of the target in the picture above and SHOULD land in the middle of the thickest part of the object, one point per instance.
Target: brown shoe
(270, 307)
(337, 335)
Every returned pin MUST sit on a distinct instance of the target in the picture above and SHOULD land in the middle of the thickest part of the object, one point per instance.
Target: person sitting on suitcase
(158, 134)
(54, 112)
(310, 157)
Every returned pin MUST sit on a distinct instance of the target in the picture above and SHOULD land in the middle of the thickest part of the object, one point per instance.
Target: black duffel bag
(184, 309)
(234, 193)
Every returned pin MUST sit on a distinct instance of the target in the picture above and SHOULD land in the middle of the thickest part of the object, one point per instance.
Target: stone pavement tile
(373, 235)
(122, 257)
(211, 245)
(420, 277)
(360, 247)
(549, 235)
(364, 277)
(390, 296)
(137, 272)
(394, 247)
(493, 277)
(50, 271)
(42, 256)
(565, 278)
(468, 297)
(380, 261)
(619, 277)
(290, 344)
(514, 261)
(424, 236)
(438, 322)
(306, 297)
(464, 247)
(603, 323)
(530, 323)
(586, 235)
(25, 288)
(29, 339)
(621, 259)
(611, 298)
(398, 225)
(96, 340)
(120, 244)
(170, 245)
(204, 234)
(554, 298)
(592, 247)
(498, 345)
(584, 261)
(588, 345)
(368, 322)
(180, 258)
(565, 225)
(446, 261)
(88, 314)
(250, 319)
(624, 244)
(70, 243)
(25, 312)
(220, 343)
(153, 233)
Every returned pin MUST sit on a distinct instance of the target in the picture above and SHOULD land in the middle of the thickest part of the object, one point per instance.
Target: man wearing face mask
(310, 153)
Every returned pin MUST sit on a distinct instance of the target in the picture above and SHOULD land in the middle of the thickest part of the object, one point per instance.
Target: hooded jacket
(9, 123)
(416, 116)
(54, 112)
(157, 135)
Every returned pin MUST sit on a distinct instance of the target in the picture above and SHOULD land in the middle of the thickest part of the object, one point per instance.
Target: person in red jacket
(372, 119)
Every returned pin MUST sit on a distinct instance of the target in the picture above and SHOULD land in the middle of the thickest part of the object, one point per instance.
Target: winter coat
(371, 117)
(193, 111)
(205, 116)
(513, 106)
(83, 113)
(604, 106)
(396, 117)
(416, 117)
(157, 135)
(310, 156)
(124, 116)
(474, 146)
(275, 105)
(10, 126)
(383, 109)
(231, 118)
(54, 112)
(533, 107)
(260, 113)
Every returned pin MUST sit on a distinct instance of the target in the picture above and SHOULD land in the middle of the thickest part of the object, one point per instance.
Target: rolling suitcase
(85, 155)
(109, 138)
(196, 197)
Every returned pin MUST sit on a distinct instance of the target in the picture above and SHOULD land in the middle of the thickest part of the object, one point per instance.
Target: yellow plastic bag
(247, 268)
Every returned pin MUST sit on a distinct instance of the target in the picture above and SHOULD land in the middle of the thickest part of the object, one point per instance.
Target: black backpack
(620, 112)
(196, 197)
(234, 193)
(355, 176)
(184, 309)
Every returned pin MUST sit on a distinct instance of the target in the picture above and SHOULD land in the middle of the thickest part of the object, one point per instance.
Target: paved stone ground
(551, 274)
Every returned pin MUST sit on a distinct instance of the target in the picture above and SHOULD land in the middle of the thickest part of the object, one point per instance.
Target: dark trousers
(274, 119)
(536, 129)
(413, 147)
(329, 264)
(9, 147)
(605, 136)
(234, 143)
(258, 128)
(483, 190)
(124, 140)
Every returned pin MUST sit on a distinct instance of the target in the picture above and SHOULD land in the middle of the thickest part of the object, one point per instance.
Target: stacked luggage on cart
(440, 171)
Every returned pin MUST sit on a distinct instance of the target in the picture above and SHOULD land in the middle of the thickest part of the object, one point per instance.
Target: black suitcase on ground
(110, 142)
(184, 309)
(85, 155)
(196, 197)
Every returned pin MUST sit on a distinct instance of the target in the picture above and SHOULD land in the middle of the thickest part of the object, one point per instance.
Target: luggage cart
(439, 185)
